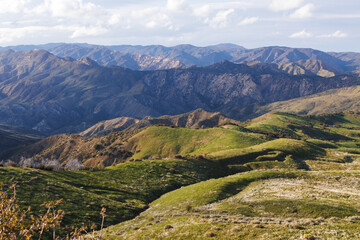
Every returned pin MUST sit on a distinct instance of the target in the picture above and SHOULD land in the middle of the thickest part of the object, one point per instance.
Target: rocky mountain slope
(41, 91)
(194, 119)
(308, 67)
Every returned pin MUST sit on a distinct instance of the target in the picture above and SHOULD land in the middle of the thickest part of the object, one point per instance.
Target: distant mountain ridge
(157, 57)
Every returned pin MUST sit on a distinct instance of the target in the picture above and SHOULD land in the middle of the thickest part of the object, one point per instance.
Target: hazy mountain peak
(225, 46)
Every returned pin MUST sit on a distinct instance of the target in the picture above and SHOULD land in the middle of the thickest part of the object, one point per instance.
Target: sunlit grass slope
(167, 141)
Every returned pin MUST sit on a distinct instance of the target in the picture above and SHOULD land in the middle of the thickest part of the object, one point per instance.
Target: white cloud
(249, 20)
(221, 19)
(8, 35)
(301, 34)
(159, 20)
(304, 12)
(12, 6)
(336, 34)
(284, 5)
(79, 32)
(177, 5)
(70, 9)
(202, 11)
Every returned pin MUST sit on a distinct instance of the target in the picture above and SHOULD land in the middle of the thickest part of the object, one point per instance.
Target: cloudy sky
(329, 25)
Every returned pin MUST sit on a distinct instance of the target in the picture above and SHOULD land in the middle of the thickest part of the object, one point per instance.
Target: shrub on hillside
(74, 165)
(40, 163)
(10, 163)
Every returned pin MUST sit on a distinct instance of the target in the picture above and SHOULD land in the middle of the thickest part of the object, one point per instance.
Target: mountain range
(156, 57)
(44, 92)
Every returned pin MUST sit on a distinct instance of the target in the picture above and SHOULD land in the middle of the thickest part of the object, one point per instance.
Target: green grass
(297, 148)
(300, 126)
(322, 143)
(167, 142)
(212, 190)
(191, 227)
(254, 205)
(125, 189)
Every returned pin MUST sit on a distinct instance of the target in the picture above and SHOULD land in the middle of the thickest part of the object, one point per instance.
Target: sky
(328, 25)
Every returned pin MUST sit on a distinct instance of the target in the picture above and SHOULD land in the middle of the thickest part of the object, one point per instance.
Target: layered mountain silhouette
(156, 57)
(50, 94)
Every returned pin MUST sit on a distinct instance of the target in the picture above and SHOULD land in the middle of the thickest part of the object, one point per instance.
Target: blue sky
(327, 25)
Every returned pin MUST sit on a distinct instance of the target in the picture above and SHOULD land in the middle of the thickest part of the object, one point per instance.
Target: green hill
(167, 141)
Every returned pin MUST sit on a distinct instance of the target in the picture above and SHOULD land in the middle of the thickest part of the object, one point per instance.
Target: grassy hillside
(125, 190)
(255, 205)
(167, 141)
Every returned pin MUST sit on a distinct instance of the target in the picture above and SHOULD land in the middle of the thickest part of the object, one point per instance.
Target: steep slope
(54, 95)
